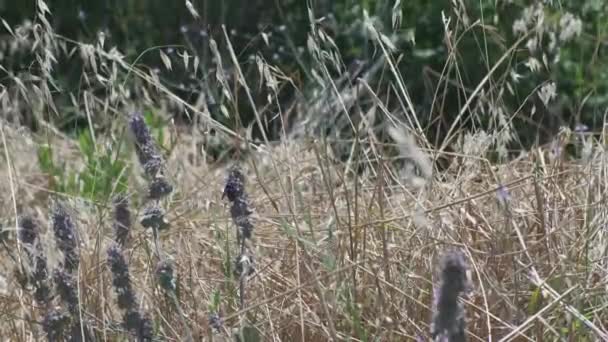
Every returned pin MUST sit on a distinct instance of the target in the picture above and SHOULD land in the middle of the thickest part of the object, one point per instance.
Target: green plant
(104, 171)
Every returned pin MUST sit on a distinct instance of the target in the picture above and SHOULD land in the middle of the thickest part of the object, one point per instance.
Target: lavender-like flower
(139, 325)
(145, 332)
(215, 321)
(121, 279)
(164, 274)
(66, 288)
(122, 220)
(235, 187)
(133, 320)
(54, 324)
(240, 216)
(239, 211)
(28, 234)
(28, 231)
(149, 157)
(244, 265)
(41, 288)
(65, 235)
(159, 188)
(65, 285)
(154, 217)
(448, 314)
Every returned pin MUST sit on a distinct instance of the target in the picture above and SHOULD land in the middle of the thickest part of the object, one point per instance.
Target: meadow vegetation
(356, 171)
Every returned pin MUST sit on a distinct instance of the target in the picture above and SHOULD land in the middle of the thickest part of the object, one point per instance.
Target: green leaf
(247, 334)
(535, 302)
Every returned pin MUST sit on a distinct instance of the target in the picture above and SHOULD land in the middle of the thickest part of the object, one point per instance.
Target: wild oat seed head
(159, 188)
(122, 219)
(235, 187)
(164, 274)
(66, 288)
(65, 235)
(448, 314)
(121, 279)
(154, 217)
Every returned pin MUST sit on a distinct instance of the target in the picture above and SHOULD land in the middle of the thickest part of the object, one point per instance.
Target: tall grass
(356, 233)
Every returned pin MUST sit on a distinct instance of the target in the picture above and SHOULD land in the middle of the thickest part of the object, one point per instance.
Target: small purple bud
(503, 194)
(581, 128)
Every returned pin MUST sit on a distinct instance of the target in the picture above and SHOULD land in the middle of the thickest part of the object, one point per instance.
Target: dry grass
(333, 251)
(343, 250)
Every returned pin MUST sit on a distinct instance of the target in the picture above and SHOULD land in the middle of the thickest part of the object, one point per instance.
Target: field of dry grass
(336, 255)
(373, 244)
